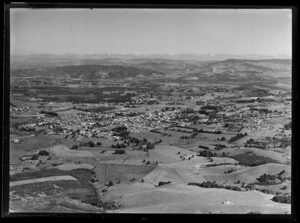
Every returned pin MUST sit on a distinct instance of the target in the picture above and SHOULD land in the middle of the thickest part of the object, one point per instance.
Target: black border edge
(6, 101)
(5, 112)
(295, 109)
(111, 4)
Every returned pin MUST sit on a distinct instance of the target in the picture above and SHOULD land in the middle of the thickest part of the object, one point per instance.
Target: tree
(223, 138)
(44, 153)
(120, 151)
(150, 145)
(74, 147)
(34, 157)
(288, 125)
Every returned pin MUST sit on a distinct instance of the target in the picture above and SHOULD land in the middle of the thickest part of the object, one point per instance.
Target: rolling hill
(89, 72)
(229, 70)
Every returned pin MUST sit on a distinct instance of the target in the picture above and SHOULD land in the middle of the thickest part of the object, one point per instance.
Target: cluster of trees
(119, 151)
(219, 146)
(90, 144)
(119, 146)
(141, 144)
(238, 136)
(213, 184)
(50, 113)
(43, 153)
(207, 153)
(222, 138)
(246, 101)
(121, 131)
(286, 199)
(219, 164)
(203, 147)
(184, 137)
(160, 183)
(252, 143)
(267, 179)
(74, 147)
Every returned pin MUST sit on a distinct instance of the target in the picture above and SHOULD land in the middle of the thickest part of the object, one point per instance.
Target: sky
(151, 31)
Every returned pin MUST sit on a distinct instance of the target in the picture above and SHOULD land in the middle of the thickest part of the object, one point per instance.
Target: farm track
(43, 179)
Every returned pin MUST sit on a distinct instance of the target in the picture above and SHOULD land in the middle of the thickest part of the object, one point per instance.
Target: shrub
(288, 125)
(74, 147)
(150, 145)
(120, 151)
(203, 147)
(213, 184)
(286, 199)
(284, 188)
(269, 179)
(43, 153)
(35, 157)
(207, 153)
(160, 183)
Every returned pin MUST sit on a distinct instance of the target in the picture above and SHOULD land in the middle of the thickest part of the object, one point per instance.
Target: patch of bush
(267, 179)
(43, 153)
(286, 199)
(120, 151)
(118, 146)
(160, 183)
(34, 157)
(207, 153)
(203, 147)
(89, 144)
(213, 184)
(219, 146)
(238, 136)
(253, 159)
(288, 125)
(74, 147)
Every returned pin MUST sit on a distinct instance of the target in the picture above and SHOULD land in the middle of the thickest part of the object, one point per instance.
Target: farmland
(151, 136)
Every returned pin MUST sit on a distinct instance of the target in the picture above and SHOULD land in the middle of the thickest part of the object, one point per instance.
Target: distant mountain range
(38, 60)
(234, 70)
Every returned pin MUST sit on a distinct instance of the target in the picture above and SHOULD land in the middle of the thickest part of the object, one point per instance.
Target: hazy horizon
(265, 32)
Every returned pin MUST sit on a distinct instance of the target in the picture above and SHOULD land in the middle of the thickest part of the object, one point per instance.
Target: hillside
(273, 70)
(230, 70)
(86, 72)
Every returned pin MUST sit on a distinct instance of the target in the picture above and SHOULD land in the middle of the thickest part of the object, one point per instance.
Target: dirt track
(38, 180)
